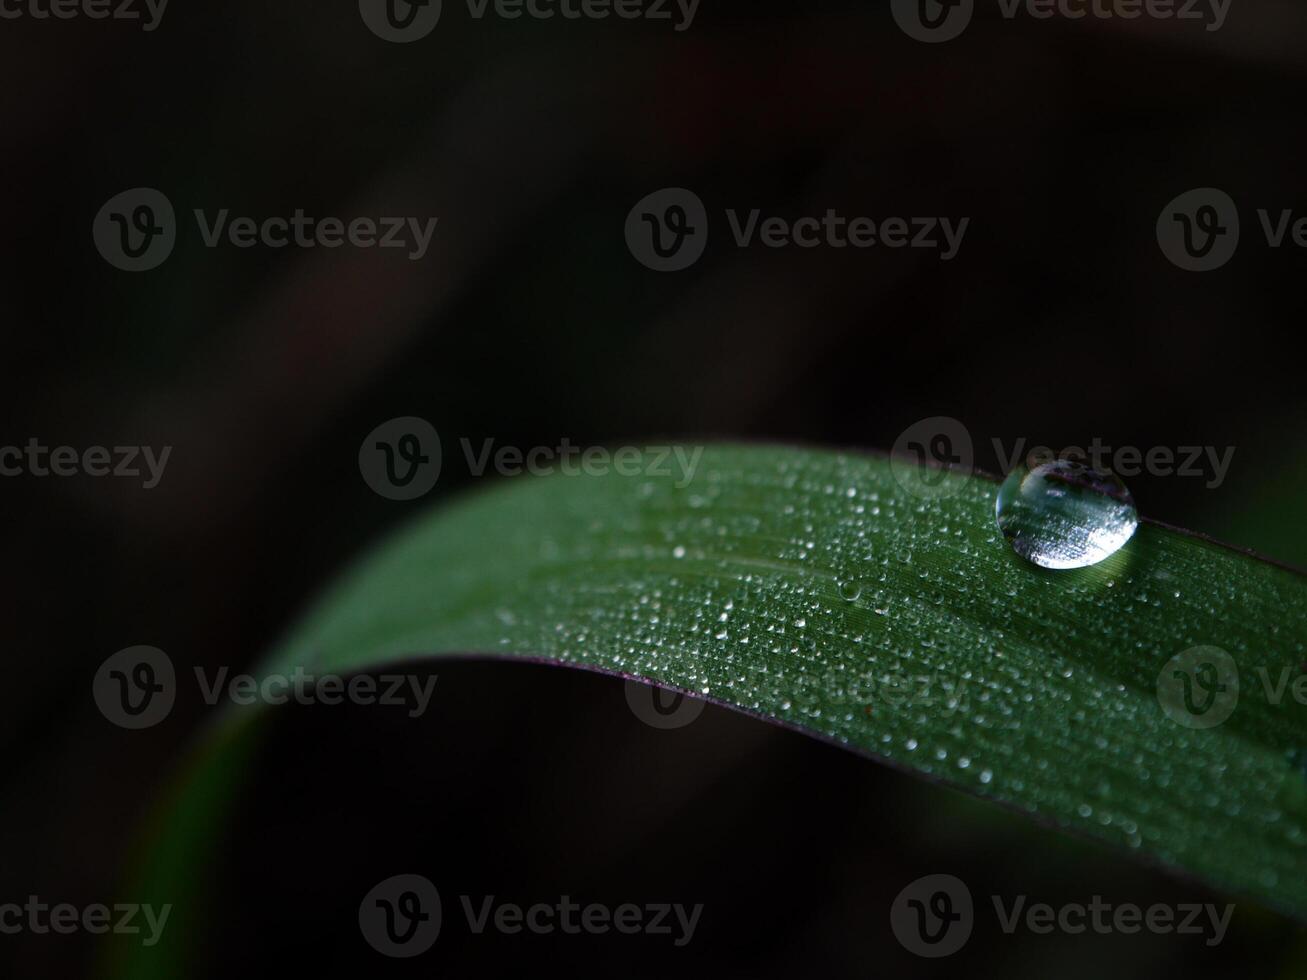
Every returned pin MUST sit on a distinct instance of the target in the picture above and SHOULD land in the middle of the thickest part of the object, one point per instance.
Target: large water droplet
(1064, 514)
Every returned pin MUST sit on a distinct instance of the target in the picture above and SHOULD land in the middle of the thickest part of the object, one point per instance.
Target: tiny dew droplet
(1064, 514)
(850, 590)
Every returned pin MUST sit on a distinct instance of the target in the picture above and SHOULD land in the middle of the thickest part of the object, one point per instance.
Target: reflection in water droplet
(1064, 514)
(850, 590)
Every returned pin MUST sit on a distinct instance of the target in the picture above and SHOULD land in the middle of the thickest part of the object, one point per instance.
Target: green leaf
(818, 590)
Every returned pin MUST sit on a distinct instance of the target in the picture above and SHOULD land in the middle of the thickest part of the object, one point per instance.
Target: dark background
(529, 322)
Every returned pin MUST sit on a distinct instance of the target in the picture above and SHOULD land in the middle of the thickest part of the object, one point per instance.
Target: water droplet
(850, 590)
(1064, 514)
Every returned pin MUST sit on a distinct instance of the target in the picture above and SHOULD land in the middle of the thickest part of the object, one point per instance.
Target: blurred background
(529, 321)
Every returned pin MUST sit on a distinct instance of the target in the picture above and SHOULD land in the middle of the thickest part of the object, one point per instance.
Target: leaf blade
(793, 583)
